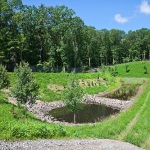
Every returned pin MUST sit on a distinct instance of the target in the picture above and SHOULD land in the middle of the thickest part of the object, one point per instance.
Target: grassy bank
(28, 127)
(17, 124)
(134, 69)
(61, 79)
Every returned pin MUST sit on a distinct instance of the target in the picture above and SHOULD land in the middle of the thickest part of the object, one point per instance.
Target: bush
(145, 68)
(43, 132)
(59, 131)
(85, 68)
(127, 68)
(19, 132)
(19, 112)
(46, 67)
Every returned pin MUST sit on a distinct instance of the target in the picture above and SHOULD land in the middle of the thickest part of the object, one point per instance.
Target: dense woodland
(56, 37)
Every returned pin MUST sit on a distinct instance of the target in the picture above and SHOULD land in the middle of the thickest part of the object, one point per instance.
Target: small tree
(73, 95)
(145, 68)
(4, 81)
(26, 88)
(127, 68)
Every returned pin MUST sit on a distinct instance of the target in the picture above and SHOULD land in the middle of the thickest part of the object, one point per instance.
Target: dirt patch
(55, 87)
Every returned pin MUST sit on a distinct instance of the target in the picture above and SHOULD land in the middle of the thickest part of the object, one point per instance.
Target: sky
(106, 14)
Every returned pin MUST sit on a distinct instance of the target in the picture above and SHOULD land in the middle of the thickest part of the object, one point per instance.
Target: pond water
(88, 113)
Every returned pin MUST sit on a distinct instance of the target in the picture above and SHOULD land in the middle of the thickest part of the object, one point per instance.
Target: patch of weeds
(43, 132)
(59, 131)
(124, 93)
(19, 112)
(19, 132)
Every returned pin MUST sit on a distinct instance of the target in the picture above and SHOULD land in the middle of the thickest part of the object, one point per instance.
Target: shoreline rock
(41, 109)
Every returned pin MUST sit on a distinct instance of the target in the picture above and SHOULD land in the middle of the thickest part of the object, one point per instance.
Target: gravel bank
(97, 144)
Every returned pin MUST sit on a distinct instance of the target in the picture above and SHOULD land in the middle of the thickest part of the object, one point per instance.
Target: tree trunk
(89, 63)
(74, 117)
(74, 49)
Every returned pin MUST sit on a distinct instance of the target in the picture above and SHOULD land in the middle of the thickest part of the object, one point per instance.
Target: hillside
(131, 125)
(135, 69)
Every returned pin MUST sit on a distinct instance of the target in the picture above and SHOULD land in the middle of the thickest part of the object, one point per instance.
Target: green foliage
(61, 39)
(84, 69)
(73, 94)
(125, 92)
(127, 68)
(20, 113)
(4, 81)
(40, 131)
(145, 68)
(46, 67)
(26, 88)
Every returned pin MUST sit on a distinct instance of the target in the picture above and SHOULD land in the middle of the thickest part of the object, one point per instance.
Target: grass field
(135, 69)
(130, 126)
(61, 79)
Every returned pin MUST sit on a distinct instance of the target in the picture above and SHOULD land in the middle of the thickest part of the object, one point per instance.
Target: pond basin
(88, 113)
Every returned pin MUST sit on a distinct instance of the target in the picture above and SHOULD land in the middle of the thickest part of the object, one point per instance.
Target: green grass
(24, 126)
(141, 130)
(44, 79)
(136, 69)
(31, 128)
(111, 127)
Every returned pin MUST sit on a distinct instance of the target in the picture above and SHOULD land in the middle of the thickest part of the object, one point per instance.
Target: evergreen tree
(26, 88)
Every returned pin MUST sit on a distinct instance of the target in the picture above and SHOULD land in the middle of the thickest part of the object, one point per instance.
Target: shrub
(85, 68)
(59, 131)
(19, 112)
(127, 68)
(43, 132)
(19, 132)
(46, 67)
(114, 72)
(145, 68)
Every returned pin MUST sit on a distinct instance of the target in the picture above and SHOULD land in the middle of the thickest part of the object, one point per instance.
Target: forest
(54, 37)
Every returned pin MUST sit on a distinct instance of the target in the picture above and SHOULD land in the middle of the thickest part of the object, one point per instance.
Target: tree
(26, 88)
(116, 37)
(73, 95)
(4, 81)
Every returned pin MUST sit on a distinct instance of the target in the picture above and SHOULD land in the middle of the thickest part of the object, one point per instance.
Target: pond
(88, 113)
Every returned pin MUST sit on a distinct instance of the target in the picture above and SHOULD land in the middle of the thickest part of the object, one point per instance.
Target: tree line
(54, 37)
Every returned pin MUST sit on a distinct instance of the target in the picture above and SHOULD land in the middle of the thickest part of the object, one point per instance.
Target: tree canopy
(57, 37)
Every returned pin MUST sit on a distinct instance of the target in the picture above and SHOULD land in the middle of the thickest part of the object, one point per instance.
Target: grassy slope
(44, 79)
(31, 128)
(140, 132)
(136, 69)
